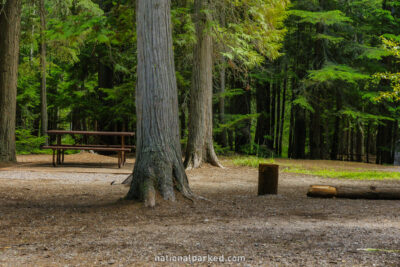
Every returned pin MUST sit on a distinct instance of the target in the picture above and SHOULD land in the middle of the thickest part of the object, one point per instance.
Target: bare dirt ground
(72, 216)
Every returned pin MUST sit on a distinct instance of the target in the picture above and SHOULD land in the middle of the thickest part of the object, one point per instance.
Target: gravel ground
(63, 177)
(78, 219)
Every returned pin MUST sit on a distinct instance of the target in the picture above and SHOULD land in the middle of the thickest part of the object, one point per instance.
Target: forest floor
(72, 216)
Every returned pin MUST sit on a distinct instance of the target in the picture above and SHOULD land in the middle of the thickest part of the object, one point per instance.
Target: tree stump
(268, 175)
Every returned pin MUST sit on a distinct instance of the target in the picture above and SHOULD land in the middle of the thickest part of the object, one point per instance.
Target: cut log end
(322, 191)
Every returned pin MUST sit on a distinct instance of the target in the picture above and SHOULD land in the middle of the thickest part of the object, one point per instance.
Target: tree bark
(299, 133)
(367, 142)
(315, 132)
(384, 143)
(263, 103)
(359, 141)
(158, 166)
(200, 146)
(43, 92)
(291, 126)
(241, 105)
(335, 137)
(370, 192)
(273, 112)
(10, 26)
(278, 116)
(285, 85)
(223, 135)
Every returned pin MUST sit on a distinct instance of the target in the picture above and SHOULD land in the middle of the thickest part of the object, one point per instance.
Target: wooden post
(123, 152)
(119, 159)
(268, 175)
(58, 150)
(54, 158)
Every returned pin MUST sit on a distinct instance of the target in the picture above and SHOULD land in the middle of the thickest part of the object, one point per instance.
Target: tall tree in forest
(200, 147)
(158, 166)
(10, 24)
(43, 92)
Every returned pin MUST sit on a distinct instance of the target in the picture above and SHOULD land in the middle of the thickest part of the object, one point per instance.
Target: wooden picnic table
(59, 148)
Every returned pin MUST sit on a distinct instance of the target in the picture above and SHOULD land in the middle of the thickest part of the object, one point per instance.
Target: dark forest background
(307, 79)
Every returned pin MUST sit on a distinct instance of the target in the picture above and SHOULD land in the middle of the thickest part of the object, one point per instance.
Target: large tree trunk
(158, 166)
(10, 25)
(43, 92)
(200, 147)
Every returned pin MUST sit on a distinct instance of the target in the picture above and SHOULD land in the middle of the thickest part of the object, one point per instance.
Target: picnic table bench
(59, 148)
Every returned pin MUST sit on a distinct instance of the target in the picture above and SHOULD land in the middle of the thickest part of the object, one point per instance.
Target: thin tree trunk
(278, 116)
(291, 126)
(359, 141)
(241, 105)
(273, 113)
(335, 138)
(315, 132)
(352, 144)
(158, 166)
(223, 134)
(367, 142)
(10, 26)
(200, 147)
(43, 92)
(263, 102)
(285, 85)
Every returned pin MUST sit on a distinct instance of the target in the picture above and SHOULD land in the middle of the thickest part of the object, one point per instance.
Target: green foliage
(332, 72)
(374, 53)
(302, 102)
(364, 117)
(393, 48)
(325, 51)
(325, 17)
(234, 120)
(361, 175)
(253, 30)
(26, 143)
(228, 94)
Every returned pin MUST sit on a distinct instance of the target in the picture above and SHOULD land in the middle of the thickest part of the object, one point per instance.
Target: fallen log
(352, 192)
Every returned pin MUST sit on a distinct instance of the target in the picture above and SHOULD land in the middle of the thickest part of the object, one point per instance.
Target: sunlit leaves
(394, 78)
(325, 17)
(332, 72)
(253, 30)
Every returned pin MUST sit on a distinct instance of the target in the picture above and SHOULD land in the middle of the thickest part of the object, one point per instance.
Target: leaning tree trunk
(158, 166)
(10, 24)
(43, 92)
(200, 147)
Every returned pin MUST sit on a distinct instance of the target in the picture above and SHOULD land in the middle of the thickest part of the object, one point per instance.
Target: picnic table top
(91, 133)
